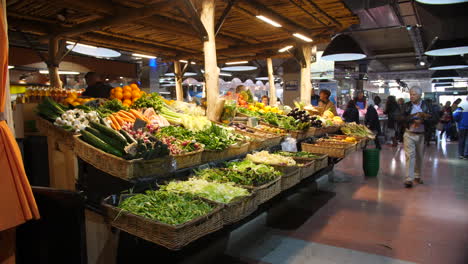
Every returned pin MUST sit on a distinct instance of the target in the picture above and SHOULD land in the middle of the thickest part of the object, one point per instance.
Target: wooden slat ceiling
(166, 31)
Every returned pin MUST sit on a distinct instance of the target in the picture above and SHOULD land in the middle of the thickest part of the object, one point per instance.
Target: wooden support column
(178, 81)
(306, 85)
(271, 79)
(207, 17)
(53, 63)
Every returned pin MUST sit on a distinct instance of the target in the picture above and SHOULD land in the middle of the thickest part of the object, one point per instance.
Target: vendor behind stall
(96, 88)
(314, 99)
(360, 100)
(325, 102)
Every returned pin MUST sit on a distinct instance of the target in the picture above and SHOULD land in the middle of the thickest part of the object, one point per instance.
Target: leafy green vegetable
(301, 154)
(214, 191)
(177, 132)
(149, 100)
(286, 122)
(166, 207)
(243, 173)
(50, 110)
(217, 137)
(111, 106)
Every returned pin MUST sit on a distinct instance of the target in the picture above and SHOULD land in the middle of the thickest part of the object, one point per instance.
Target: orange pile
(127, 95)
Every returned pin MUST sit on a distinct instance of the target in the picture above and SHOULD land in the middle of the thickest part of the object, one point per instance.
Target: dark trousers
(463, 142)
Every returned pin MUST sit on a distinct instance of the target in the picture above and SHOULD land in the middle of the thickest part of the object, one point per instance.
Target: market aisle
(371, 220)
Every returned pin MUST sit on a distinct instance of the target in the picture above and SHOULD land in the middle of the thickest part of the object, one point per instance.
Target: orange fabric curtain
(17, 204)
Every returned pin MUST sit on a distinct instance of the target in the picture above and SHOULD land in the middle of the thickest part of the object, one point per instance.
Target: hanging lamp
(441, 2)
(445, 74)
(444, 47)
(343, 48)
(448, 63)
(237, 66)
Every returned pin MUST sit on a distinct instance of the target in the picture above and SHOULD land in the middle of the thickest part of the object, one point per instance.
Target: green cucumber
(109, 132)
(114, 143)
(98, 143)
(127, 136)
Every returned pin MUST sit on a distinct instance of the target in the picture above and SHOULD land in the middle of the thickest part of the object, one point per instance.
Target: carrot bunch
(119, 118)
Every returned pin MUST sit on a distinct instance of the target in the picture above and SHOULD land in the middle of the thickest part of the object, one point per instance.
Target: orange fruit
(127, 88)
(112, 91)
(127, 102)
(134, 86)
(127, 95)
(142, 93)
(133, 100)
(118, 95)
(112, 97)
(118, 89)
(136, 94)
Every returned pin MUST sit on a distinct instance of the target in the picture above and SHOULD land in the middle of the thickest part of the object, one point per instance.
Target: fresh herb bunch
(177, 132)
(50, 110)
(149, 100)
(214, 191)
(218, 138)
(300, 154)
(111, 106)
(166, 207)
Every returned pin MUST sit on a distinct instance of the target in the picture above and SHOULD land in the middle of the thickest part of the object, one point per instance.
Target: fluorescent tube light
(11, 67)
(285, 48)
(60, 72)
(143, 56)
(236, 62)
(300, 36)
(269, 21)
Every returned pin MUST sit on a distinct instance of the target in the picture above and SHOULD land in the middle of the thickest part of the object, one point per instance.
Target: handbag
(440, 126)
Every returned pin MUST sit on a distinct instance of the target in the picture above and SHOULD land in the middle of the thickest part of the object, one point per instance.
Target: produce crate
(291, 179)
(298, 134)
(232, 151)
(49, 129)
(239, 209)
(332, 129)
(337, 151)
(307, 168)
(261, 139)
(169, 236)
(319, 163)
(267, 191)
(121, 168)
(188, 159)
(315, 131)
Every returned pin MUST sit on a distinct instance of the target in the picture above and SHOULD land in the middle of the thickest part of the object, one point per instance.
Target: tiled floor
(373, 220)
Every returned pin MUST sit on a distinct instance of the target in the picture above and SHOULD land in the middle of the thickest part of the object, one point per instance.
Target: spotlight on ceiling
(343, 48)
(143, 56)
(448, 47)
(448, 63)
(422, 63)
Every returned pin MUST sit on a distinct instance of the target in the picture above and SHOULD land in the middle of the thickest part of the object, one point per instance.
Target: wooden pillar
(53, 63)
(207, 17)
(306, 84)
(271, 79)
(178, 81)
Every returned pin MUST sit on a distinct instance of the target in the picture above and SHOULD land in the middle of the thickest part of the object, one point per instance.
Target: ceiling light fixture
(225, 74)
(304, 38)
(236, 62)
(343, 48)
(285, 48)
(237, 68)
(143, 56)
(445, 74)
(441, 2)
(269, 21)
(184, 61)
(448, 63)
(92, 50)
(60, 72)
(448, 47)
(10, 67)
(422, 63)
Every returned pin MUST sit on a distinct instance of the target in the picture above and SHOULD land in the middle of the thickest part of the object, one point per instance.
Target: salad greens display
(166, 207)
(149, 100)
(263, 157)
(300, 154)
(286, 122)
(214, 191)
(218, 138)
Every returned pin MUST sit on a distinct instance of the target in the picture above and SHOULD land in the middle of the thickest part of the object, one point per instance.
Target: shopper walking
(416, 116)
(392, 110)
(400, 126)
(351, 114)
(446, 120)
(461, 117)
(454, 127)
(371, 120)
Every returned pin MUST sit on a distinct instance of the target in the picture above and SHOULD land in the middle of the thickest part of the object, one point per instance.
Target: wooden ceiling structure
(171, 29)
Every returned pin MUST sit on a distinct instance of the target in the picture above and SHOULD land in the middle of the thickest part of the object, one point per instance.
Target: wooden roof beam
(223, 17)
(259, 56)
(194, 19)
(122, 18)
(256, 47)
(254, 8)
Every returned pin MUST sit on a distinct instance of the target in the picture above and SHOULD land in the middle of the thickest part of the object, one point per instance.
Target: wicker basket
(188, 159)
(49, 129)
(332, 129)
(290, 180)
(319, 163)
(266, 192)
(298, 134)
(315, 131)
(332, 151)
(233, 150)
(241, 114)
(121, 168)
(169, 236)
(239, 209)
(307, 168)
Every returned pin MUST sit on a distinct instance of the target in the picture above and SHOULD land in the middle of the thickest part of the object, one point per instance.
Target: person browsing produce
(96, 88)
(416, 116)
(325, 102)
